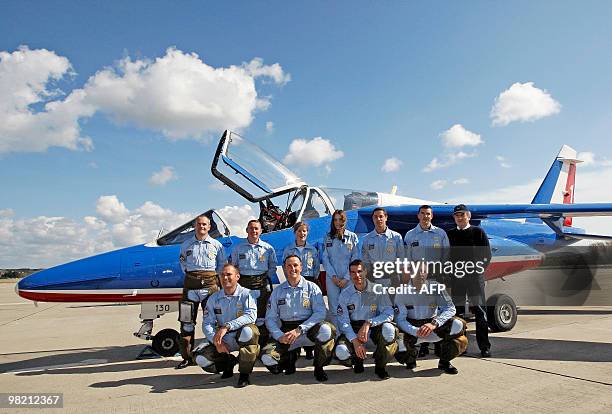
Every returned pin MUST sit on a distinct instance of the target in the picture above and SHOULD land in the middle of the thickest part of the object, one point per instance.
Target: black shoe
(381, 373)
(410, 365)
(485, 353)
(358, 366)
(243, 381)
(309, 352)
(320, 375)
(183, 364)
(228, 370)
(424, 350)
(447, 367)
(292, 358)
(275, 369)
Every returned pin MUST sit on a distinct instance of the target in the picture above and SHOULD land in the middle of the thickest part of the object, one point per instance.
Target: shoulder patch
(339, 310)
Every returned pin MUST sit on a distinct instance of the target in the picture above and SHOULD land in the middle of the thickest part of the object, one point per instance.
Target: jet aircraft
(150, 273)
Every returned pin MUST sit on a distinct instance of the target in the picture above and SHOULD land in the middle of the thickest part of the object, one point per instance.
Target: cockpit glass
(259, 164)
(345, 199)
(186, 231)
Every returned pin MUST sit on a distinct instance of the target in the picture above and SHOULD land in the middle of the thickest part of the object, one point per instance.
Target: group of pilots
(243, 312)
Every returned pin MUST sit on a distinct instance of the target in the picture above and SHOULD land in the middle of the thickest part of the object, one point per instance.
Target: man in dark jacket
(470, 254)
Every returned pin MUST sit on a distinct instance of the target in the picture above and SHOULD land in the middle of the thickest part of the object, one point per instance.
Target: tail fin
(559, 184)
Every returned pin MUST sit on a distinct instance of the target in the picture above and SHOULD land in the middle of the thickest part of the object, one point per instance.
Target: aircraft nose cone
(27, 286)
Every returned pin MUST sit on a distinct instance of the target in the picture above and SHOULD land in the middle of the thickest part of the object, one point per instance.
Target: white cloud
(237, 218)
(452, 139)
(163, 176)
(446, 160)
(523, 102)
(111, 209)
(315, 152)
(180, 95)
(461, 181)
(438, 185)
(591, 160)
(457, 136)
(391, 164)
(502, 162)
(177, 94)
(269, 127)
(256, 68)
(6, 212)
(27, 79)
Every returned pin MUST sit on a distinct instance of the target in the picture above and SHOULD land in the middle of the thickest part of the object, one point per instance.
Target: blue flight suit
(430, 245)
(256, 263)
(337, 255)
(237, 312)
(309, 255)
(354, 309)
(201, 261)
(427, 305)
(387, 246)
(300, 306)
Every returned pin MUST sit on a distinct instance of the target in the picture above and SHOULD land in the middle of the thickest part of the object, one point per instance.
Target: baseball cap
(460, 208)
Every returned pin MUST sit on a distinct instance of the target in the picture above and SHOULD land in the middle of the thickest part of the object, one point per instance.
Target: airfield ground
(555, 360)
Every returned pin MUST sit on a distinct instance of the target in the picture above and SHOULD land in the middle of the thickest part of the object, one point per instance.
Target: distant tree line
(16, 273)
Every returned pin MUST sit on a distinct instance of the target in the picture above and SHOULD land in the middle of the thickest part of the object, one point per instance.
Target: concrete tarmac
(555, 360)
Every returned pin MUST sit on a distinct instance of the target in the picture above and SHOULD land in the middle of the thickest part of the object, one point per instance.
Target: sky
(110, 111)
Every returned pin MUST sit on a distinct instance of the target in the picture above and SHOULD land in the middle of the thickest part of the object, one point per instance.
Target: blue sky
(374, 80)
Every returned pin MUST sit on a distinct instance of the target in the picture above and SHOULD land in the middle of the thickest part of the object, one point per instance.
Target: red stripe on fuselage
(500, 269)
(92, 297)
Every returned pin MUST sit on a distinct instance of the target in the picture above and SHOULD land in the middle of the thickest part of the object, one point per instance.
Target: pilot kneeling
(427, 314)
(295, 318)
(229, 325)
(365, 317)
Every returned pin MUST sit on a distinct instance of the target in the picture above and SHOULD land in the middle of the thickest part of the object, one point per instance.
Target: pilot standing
(365, 317)
(229, 325)
(471, 244)
(382, 245)
(427, 314)
(296, 318)
(427, 243)
(309, 255)
(339, 249)
(256, 262)
(202, 259)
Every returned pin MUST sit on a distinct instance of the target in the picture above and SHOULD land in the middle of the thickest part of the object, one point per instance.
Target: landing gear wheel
(166, 342)
(501, 313)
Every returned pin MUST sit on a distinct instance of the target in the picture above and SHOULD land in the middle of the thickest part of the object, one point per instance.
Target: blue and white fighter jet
(150, 274)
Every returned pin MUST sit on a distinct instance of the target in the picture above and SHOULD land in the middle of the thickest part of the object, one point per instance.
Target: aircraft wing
(506, 211)
(551, 214)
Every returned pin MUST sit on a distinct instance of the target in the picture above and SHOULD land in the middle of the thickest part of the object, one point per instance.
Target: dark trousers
(473, 287)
